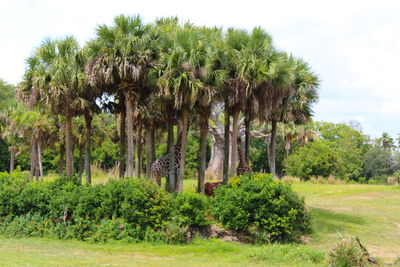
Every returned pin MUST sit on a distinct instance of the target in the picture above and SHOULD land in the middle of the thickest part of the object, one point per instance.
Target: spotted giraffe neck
(240, 151)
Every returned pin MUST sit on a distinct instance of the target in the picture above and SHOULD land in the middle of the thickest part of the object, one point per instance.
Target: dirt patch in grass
(381, 253)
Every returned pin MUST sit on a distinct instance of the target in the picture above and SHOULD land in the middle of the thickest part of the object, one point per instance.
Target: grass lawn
(371, 212)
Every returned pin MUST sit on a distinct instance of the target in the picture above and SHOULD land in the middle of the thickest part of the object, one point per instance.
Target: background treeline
(139, 84)
(120, 101)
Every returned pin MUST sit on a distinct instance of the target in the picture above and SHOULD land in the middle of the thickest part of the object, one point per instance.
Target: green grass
(43, 252)
(371, 212)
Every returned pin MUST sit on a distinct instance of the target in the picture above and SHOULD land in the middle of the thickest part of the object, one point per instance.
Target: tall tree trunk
(61, 162)
(36, 162)
(81, 163)
(203, 153)
(138, 165)
(129, 132)
(12, 160)
(88, 157)
(234, 150)
(122, 145)
(39, 153)
(69, 144)
(150, 149)
(247, 137)
(182, 149)
(272, 150)
(33, 155)
(171, 184)
(227, 142)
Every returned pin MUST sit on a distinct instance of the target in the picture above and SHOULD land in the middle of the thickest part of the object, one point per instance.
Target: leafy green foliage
(378, 164)
(316, 158)
(190, 208)
(349, 143)
(257, 205)
(132, 209)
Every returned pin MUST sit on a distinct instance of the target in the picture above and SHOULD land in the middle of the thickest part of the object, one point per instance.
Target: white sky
(354, 46)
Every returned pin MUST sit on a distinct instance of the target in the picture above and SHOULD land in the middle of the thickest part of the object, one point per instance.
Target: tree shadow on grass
(330, 222)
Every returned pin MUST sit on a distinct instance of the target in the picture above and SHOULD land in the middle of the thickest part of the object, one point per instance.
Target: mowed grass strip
(43, 252)
(371, 212)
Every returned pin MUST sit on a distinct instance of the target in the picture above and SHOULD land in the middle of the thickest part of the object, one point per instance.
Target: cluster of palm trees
(163, 74)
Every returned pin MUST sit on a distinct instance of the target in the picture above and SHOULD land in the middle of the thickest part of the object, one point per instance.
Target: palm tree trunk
(150, 149)
(39, 153)
(88, 158)
(69, 144)
(81, 163)
(234, 150)
(182, 149)
(226, 143)
(129, 132)
(272, 150)
(138, 164)
(171, 175)
(247, 137)
(33, 153)
(36, 162)
(62, 158)
(12, 160)
(122, 145)
(203, 152)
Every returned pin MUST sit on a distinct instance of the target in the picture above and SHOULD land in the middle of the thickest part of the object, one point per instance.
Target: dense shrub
(257, 205)
(131, 209)
(11, 186)
(190, 208)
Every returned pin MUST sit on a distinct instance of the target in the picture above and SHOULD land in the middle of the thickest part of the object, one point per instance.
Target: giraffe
(160, 166)
(243, 167)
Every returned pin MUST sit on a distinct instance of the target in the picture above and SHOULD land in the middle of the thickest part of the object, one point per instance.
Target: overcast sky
(354, 46)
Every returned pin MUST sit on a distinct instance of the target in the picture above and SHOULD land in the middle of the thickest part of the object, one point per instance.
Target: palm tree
(213, 78)
(124, 51)
(386, 141)
(287, 96)
(235, 93)
(58, 77)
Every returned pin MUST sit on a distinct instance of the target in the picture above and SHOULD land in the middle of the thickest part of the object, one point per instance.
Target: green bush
(131, 209)
(257, 205)
(190, 208)
(11, 186)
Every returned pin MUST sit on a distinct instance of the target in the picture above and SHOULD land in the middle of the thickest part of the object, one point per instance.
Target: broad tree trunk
(122, 145)
(184, 132)
(39, 154)
(216, 163)
(69, 144)
(150, 149)
(272, 149)
(203, 153)
(129, 132)
(138, 164)
(88, 157)
(171, 183)
(12, 160)
(226, 143)
(235, 130)
(247, 136)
